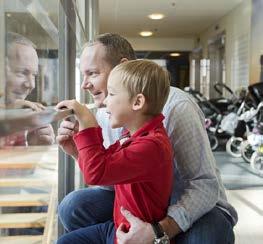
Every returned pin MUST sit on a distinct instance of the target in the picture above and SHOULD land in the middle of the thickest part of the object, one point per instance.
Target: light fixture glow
(146, 33)
(156, 16)
(174, 54)
(8, 15)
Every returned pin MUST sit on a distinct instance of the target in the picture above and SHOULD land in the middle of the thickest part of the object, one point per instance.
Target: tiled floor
(245, 193)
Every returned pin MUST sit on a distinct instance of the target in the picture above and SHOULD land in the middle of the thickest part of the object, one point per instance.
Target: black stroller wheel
(246, 151)
(233, 146)
(213, 141)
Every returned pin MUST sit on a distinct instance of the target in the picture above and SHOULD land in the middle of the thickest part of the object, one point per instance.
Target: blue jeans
(91, 206)
(95, 234)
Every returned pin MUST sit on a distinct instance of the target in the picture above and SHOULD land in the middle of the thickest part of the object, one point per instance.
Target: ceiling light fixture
(156, 16)
(175, 54)
(146, 33)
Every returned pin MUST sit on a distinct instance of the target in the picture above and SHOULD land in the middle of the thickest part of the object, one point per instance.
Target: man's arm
(170, 227)
(142, 232)
(196, 188)
(41, 136)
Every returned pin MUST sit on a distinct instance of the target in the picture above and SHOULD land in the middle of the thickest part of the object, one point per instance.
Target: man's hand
(140, 232)
(41, 136)
(19, 103)
(66, 131)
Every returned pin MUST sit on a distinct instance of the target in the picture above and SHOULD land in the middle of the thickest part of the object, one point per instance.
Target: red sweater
(140, 169)
(17, 139)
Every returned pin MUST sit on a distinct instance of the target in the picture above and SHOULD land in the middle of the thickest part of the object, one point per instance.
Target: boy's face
(118, 103)
(95, 70)
(21, 71)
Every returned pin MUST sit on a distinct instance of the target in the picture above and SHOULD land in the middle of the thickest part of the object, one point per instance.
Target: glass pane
(28, 153)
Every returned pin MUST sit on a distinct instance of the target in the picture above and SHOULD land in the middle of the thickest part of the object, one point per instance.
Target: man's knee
(67, 207)
(213, 228)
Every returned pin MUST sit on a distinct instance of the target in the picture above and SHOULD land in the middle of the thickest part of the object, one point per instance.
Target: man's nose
(86, 85)
(30, 82)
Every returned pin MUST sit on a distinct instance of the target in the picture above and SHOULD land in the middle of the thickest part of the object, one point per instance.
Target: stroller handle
(217, 88)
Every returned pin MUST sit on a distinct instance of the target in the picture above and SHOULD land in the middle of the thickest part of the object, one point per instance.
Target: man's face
(95, 70)
(21, 71)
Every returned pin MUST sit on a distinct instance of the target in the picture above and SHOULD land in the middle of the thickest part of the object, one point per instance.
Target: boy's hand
(82, 114)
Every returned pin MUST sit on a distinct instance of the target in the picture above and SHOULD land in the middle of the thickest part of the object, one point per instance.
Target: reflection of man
(21, 71)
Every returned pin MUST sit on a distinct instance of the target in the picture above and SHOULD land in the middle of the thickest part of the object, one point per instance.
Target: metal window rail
(15, 120)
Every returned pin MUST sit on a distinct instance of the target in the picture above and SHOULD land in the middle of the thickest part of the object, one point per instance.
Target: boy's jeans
(91, 206)
(95, 234)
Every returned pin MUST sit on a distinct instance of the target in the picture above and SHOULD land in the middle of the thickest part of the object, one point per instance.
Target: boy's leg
(95, 234)
(215, 227)
(85, 207)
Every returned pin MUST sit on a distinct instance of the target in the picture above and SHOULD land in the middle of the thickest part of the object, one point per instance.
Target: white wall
(256, 44)
(162, 44)
(237, 26)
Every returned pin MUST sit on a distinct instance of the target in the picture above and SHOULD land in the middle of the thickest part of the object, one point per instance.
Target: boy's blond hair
(147, 78)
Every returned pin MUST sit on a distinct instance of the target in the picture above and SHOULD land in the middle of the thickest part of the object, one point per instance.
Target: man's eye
(20, 73)
(92, 73)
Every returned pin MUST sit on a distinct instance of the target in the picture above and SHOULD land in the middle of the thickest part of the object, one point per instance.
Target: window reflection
(28, 157)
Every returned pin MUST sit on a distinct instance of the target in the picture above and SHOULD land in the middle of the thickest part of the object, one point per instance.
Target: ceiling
(38, 19)
(184, 18)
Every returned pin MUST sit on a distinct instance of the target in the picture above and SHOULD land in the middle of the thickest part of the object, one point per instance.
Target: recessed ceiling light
(174, 54)
(8, 15)
(146, 33)
(156, 16)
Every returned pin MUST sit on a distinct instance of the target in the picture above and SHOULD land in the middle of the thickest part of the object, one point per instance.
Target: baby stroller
(210, 113)
(252, 148)
(246, 121)
(241, 122)
(215, 111)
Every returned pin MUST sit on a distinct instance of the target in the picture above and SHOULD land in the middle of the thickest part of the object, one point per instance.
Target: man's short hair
(148, 78)
(117, 47)
(15, 38)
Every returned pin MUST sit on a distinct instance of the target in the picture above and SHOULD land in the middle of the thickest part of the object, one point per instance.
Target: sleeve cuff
(88, 136)
(181, 217)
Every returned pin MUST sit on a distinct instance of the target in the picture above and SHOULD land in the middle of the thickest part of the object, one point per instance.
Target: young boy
(139, 165)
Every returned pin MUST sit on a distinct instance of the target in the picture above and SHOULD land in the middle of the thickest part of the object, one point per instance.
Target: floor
(245, 193)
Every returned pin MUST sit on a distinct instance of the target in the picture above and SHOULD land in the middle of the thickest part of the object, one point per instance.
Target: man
(21, 71)
(198, 211)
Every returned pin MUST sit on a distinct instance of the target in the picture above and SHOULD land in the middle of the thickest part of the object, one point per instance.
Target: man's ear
(138, 102)
(124, 60)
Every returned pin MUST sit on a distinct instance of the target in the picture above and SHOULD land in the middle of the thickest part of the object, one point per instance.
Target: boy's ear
(138, 102)
(124, 60)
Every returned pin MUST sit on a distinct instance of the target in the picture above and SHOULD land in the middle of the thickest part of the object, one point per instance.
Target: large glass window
(40, 45)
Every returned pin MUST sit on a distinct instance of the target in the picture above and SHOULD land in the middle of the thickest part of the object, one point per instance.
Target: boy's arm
(82, 114)
(116, 165)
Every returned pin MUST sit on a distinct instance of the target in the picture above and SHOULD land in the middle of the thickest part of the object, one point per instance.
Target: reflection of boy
(21, 71)
(139, 165)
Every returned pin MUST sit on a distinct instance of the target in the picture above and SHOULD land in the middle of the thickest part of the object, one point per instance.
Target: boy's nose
(105, 101)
